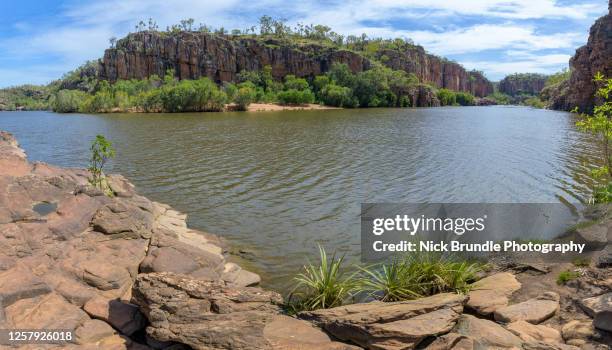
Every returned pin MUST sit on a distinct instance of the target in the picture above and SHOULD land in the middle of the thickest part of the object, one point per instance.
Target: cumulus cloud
(79, 31)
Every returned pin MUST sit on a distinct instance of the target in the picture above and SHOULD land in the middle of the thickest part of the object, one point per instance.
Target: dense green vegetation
(81, 91)
(24, 97)
(340, 87)
(329, 284)
(600, 124)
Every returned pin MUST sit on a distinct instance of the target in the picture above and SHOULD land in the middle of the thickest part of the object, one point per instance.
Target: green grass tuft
(567, 276)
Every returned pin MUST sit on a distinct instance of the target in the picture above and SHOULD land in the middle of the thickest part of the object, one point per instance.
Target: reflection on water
(277, 183)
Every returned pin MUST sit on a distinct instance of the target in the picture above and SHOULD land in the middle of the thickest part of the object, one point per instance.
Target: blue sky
(40, 40)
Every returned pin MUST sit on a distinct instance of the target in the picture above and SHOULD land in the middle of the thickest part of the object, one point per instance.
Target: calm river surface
(277, 183)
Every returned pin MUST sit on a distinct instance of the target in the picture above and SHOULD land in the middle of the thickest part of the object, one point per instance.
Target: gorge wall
(527, 83)
(221, 58)
(595, 56)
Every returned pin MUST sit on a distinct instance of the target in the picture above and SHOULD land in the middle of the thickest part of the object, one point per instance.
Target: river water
(275, 184)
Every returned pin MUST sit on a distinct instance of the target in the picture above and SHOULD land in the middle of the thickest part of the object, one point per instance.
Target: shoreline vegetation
(87, 90)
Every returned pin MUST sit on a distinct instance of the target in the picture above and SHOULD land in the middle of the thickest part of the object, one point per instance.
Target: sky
(42, 39)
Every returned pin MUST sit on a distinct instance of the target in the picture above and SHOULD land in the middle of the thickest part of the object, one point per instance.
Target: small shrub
(295, 97)
(245, 95)
(322, 285)
(447, 97)
(68, 101)
(101, 151)
(581, 262)
(602, 194)
(338, 96)
(567, 276)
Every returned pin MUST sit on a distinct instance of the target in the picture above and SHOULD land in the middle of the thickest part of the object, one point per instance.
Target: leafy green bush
(338, 96)
(68, 101)
(192, 96)
(322, 285)
(534, 102)
(295, 97)
(465, 98)
(500, 98)
(293, 83)
(245, 95)
(447, 97)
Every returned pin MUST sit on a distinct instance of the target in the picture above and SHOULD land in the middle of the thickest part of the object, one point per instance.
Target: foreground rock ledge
(127, 273)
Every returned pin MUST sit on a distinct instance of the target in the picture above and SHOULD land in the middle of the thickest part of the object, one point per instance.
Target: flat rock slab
(486, 334)
(205, 314)
(49, 311)
(492, 293)
(20, 283)
(92, 331)
(535, 333)
(533, 310)
(287, 333)
(600, 308)
(379, 325)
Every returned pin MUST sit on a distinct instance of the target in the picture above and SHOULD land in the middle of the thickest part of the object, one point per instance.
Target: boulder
(123, 219)
(287, 333)
(600, 309)
(594, 236)
(605, 257)
(120, 186)
(492, 293)
(533, 310)
(205, 314)
(577, 330)
(235, 275)
(486, 334)
(452, 341)
(92, 331)
(379, 325)
(535, 333)
(123, 316)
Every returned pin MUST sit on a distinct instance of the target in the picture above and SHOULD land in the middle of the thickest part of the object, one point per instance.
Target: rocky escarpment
(221, 58)
(595, 56)
(527, 84)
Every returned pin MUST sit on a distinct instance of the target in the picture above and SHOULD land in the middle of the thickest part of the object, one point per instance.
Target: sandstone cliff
(221, 58)
(517, 84)
(595, 56)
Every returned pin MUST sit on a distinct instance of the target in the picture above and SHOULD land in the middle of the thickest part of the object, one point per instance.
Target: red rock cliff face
(437, 71)
(194, 55)
(595, 56)
(517, 84)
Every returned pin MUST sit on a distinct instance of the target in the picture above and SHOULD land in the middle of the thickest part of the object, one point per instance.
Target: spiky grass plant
(418, 275)
(323, 285)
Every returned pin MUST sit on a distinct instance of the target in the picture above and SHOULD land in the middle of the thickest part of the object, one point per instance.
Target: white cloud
(490, 37)
(521, 63)
(84, 29)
